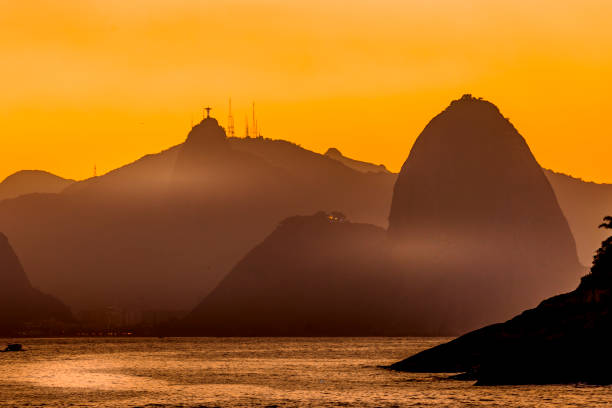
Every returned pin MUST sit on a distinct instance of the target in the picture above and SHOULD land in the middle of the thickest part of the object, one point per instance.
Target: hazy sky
(107, 81)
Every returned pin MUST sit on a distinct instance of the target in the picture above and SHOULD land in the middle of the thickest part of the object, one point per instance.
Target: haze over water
(318, 372)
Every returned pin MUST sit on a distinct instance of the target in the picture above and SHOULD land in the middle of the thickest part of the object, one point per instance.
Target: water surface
(251, 372)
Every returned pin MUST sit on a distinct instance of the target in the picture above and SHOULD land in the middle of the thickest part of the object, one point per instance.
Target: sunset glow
(104, 82)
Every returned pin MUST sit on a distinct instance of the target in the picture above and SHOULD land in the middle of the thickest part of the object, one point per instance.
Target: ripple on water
(255, 372)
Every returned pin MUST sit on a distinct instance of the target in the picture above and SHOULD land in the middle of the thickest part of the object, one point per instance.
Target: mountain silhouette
(31, 181)
(358, 165)
(163, 231)
(317, 275)
(208, 171)
(20, 303)
(566, 339)
(475, 234)
(584, 205)
(476, 223)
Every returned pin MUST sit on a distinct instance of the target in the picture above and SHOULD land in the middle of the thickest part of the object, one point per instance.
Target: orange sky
(107, 81)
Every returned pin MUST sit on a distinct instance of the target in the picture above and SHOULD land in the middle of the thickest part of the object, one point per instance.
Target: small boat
(13, 347)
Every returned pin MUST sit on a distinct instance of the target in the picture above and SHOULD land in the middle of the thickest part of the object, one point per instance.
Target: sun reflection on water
(250, 372)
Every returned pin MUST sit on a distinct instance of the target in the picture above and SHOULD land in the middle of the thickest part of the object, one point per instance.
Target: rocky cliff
(474, 219)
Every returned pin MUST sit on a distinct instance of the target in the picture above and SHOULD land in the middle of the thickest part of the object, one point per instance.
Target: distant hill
(31, 181)
(362, 166)
(566, 339)
(313, 276)
(20, 304)
(474, 215)
(584, 205)
(163, 231)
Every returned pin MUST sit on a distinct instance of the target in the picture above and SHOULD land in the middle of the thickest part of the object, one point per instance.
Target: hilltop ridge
(358, 165)
(318, 275)
(32, 181)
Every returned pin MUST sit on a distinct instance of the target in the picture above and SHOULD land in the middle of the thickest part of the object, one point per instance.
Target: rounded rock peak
(332, 151)
(470, 103)
(209, 121)
(207, 132)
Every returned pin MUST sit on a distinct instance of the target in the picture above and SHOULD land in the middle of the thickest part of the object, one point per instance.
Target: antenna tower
(255, 134)
(230, 121)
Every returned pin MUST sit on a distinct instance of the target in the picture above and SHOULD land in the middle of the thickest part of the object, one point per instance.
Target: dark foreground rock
(566, 339)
